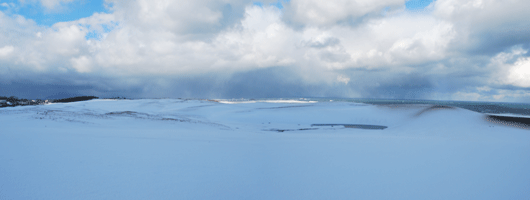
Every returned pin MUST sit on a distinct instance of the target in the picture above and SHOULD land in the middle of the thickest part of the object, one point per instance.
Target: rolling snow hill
(192, 149)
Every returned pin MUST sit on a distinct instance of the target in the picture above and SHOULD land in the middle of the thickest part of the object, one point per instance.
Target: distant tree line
(74, 99)
(15, 101)
(12, 98)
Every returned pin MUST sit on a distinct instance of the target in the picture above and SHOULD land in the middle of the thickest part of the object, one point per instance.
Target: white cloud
(343, 79)
(510, 68)
(315, 12)
(179, 17)
(519, 73)
(6, 51)
(82, 64)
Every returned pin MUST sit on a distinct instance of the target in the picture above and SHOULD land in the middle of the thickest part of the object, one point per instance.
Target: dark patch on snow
(145, 116)
(172, 119)
(519, 122)
(69, 116)
(434, 108)
(283, 130)
(361, 126)
(271, 108)
(192, 108)
(280, 107)
(138, 115)
(122, 113)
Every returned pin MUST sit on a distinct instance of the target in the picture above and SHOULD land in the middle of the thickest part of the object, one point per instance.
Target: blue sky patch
(417, 4)
(278, 4)
(47, 17)
(97, 35)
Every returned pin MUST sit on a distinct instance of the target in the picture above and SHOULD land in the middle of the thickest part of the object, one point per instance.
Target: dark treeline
(12, 98)
(15, 101)
(74, 99)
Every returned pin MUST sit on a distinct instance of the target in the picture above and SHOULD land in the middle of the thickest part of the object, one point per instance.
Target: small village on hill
(13, 101)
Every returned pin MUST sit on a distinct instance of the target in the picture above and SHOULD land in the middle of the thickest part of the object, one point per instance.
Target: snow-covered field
(191, 149)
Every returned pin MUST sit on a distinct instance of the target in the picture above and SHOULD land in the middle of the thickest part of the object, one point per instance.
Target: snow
(191, 149)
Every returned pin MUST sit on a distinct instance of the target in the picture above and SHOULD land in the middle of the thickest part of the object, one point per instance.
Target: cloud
(509, 67)
(322, 13)
(486, 26)
(343, 79)
(81, 64)
(188, 19)
(233, 48)
(519, 74)
(513, 67)
(6, 51)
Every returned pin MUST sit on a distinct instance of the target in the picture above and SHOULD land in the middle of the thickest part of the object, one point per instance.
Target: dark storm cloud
(37, 90)
(491, 43)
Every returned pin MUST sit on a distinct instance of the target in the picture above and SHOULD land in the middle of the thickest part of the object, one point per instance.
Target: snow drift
(191, 149)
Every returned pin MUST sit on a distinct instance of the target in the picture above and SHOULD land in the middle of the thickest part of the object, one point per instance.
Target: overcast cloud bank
(451, 50)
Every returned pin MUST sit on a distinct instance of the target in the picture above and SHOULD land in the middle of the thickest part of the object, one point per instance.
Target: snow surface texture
(190, 149)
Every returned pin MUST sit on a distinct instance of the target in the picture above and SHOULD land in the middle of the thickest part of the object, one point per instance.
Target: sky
(465, 50)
